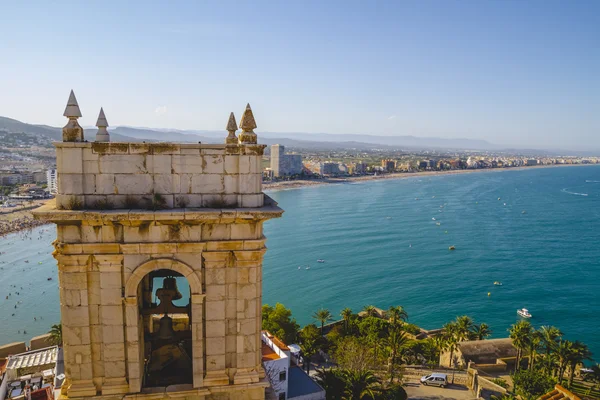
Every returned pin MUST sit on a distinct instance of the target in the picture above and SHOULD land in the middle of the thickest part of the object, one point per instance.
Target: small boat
(523, 312)
(498, 283)
(49, 279)
(299, 267)
(498, 198)
(523, 212)
(438, 223)
(320, 261)
(308, 267)
(451, 248)
(504, 203)
(433, 219)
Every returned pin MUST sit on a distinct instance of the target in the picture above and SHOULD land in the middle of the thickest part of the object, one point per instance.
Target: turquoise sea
(381, 246)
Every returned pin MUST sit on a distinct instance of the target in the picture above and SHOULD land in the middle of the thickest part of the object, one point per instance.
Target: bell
(170, 283)
(165, 330)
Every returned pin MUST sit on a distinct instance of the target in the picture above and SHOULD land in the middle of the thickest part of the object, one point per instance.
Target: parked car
(435, 379)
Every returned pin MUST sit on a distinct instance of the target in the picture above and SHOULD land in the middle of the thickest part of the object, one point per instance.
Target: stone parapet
(112, 175)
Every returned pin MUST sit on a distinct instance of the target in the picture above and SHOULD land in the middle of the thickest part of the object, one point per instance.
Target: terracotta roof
(559, 393)
(268, 354)
(279, 343)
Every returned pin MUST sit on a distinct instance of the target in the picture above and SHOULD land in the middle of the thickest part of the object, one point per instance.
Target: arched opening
(164, 301)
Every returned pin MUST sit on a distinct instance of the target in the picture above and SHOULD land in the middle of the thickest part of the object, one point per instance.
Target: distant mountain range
(309, 141)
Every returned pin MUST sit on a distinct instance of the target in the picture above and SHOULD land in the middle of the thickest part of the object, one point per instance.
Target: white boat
(523, 312)
(299, 267)
(308, 267)
(320, 261)
(497, 283)
(433, 219)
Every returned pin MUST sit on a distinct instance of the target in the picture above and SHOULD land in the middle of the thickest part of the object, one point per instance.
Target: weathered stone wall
(12, 348)
(39, 342)
(116, 175)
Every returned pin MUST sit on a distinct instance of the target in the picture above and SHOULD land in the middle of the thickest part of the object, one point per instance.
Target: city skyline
(513, 74)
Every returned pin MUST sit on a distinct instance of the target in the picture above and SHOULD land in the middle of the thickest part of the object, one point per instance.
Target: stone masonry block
(207, 183)
(112, 333)
(122, 164)
(70, 183)
(215, 310)
(187, 164)
(250, 184)
(166, 183)
(161, 163)
(105, 184)
(231, 184)
(252, 200)
(133, 184)
(89, 183)
(232, 165)
(215, 346)
(111, 316)
(215, 329)
(215, 363)
(215, 292)
(72, 160)
(214, 164)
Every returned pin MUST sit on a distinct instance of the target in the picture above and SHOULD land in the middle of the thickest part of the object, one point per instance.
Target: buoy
(489, 294)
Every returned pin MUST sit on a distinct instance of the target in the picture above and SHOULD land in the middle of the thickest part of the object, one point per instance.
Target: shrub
(73, 203)
(103, 204)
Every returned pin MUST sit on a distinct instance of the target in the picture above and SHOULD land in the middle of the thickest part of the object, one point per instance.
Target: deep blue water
(548, 258)
(382, 247)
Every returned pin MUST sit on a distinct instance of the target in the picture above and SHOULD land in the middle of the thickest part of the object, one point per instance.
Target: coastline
(301, 183)
(19, 219)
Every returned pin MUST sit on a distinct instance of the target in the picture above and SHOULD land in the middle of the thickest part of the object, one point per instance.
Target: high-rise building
(52, 181)
(284, 164)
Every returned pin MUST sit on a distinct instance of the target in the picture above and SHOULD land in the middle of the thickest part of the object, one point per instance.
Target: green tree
(394, 342)
(360, 385)
(346, 315)
(564, 351)
(450, 340)
(463, 327)
(353, 353)
(520, 333)
(373, 329)
(55, 332)
(332, 380)
(533, 347)
(481, 331)
(278, 320)
(397, 314)
(323, 316)
(550, 336)
(370, 310)
(580, 354)
(531, 385)
(392, 392)
(309, 343)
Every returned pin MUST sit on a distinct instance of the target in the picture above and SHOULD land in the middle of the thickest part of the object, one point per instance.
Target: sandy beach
(299, 183)
(18, 219)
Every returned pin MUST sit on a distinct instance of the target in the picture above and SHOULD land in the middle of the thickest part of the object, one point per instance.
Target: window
(282, 396)
(282, 376)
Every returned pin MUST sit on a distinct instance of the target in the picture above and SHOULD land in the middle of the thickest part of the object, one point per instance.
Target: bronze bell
(165, 330)
(170, 283)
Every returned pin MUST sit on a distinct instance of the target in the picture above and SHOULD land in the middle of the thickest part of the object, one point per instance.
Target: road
(416, 391)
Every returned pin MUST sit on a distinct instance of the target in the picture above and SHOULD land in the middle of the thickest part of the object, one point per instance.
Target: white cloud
(160, 110)
(392, 117)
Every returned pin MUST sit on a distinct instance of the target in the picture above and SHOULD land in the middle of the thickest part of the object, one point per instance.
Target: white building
(51, 179)
(288, 381)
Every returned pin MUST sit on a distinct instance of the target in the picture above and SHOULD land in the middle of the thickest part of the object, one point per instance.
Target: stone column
(215, 266)
(248, 318)
(75, 319)
(110, 274)
(133, 333)
(198, 339)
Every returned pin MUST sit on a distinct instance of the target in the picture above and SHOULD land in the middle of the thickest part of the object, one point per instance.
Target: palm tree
(370, 310)
(323, 316)
(464, 325)
(360, 385)
(580, 353)
(481, 331)
(395, 340)
(346, 314)
(450, 340)
(520, 334)
(549, 339)
(397, 313)
(533, 347)
(332, 380)
(564, 351)
(55, 332)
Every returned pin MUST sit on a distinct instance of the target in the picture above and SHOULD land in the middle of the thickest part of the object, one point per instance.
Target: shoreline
(302, 183)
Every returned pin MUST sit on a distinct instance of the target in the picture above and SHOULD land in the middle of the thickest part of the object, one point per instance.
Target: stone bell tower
(159, 250)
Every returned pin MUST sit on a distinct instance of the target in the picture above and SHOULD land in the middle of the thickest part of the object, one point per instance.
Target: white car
(435, 379)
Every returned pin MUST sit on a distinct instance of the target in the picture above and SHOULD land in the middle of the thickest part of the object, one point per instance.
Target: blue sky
(523, 73)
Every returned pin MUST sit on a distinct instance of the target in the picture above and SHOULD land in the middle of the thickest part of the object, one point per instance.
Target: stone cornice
(49, 212)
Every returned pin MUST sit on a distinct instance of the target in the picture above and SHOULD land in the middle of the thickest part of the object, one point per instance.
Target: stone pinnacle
(72, 109)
